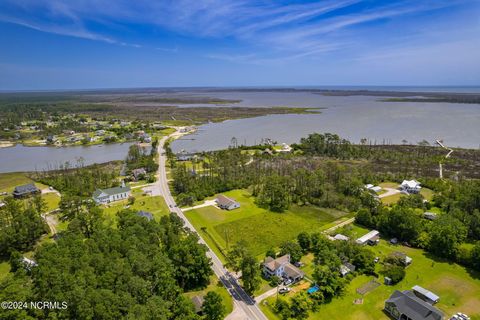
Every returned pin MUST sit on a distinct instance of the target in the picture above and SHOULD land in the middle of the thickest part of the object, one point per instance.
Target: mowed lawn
(155, 205)
(261, 229)
(458, 288)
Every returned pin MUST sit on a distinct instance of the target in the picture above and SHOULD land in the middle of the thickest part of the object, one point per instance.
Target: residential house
(51, 139)
(226, 203)
(372, 238)
(25, 191)
(100, 132)
(405, 305)
(145, 214)
(139, 173)
(282, 268)
(346, 268)
(410, 186)
(373, 188)
(104, 196)
(402, 257)
(285, 148)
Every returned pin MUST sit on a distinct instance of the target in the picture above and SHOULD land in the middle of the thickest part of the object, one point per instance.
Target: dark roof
(410, 305)
(145, 214)
(25, 189)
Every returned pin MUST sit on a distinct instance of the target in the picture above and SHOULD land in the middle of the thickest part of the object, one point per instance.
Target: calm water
(353, 117)
(21, 158)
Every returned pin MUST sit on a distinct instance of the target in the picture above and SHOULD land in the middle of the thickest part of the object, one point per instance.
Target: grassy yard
(4, 269)
(260, 228)
(217, 286)
(458, 288)
(155, 205)
(52, 200)
(392, 199)
(8, 181)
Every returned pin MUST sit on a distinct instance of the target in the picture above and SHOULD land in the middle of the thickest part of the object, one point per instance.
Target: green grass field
(260, 228)
(458, 287)
(155, 205)
(8, 181)
(392, 199)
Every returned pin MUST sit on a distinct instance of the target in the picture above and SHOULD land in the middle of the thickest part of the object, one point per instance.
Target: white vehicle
(287, 282)
(463, 316)
(284, 290)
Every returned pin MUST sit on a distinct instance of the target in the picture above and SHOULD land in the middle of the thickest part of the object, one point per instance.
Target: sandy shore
(6, 144)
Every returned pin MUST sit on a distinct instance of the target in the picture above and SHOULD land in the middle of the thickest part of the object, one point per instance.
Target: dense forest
(21, 225)
(136, 270)
(80, 180)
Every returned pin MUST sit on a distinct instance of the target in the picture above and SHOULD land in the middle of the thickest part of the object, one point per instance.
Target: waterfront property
(410, 186)
(226, 203)
(25, 191)
(139, 174)
(405, 305)
(104, 196)
(282, 268)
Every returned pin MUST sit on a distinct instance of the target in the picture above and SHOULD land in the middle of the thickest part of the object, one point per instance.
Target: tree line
(136, 270)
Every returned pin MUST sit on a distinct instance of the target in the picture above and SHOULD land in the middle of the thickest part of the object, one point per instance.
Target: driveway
(205, 204)
(390, 192)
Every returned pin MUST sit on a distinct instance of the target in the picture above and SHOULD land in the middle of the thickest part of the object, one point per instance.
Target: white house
(373, 188)
(285, 148)
(226, 203)
(282, 268)
(104, 196)
(410, 186)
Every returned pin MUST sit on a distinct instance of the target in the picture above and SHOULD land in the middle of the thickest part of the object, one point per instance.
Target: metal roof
(430, 295)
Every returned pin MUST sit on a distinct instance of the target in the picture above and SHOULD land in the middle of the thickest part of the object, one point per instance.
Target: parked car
(284, 290)
(376, 259)
(287, 282)
(394, 241)
(463, 316)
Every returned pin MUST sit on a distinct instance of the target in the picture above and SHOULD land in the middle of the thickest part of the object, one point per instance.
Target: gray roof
(430, 295)
(145, 214)
(225, 201)
(25, 189)
(409, 304)
(198, 303)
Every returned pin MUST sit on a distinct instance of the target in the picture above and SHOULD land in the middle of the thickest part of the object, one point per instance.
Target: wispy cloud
(280, 32)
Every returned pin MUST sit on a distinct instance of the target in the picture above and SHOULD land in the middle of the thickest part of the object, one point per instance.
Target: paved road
(242, 301)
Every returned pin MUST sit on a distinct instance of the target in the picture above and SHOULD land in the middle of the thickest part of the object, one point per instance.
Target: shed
(425, 295)
(341, 237)
(371, 238)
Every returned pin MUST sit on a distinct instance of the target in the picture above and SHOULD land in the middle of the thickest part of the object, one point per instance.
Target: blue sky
(50, 44)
